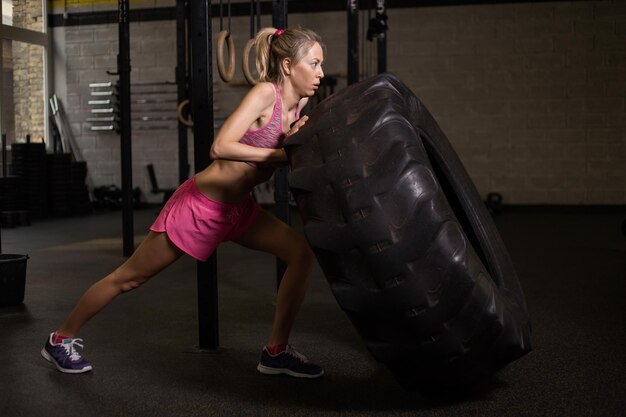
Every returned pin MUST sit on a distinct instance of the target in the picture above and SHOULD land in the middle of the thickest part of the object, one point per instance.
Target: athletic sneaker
(288, 362)
(65, 356)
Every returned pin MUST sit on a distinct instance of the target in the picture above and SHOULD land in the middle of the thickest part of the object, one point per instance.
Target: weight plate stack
(79, 200)
(12, 195)
(28, 160)
(59, 183)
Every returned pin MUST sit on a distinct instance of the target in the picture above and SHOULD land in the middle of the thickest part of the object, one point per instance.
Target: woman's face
(305, 75)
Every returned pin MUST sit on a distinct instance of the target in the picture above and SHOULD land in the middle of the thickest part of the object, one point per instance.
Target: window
(24, 14)
(23, 91)
(23, 58)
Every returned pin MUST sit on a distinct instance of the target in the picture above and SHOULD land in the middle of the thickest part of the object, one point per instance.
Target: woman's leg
(154, 254)
(269, 234)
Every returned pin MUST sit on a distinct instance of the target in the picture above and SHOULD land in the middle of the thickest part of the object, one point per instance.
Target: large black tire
(407, 246)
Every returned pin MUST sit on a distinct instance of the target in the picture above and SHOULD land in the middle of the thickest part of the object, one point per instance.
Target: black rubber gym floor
(571, 263)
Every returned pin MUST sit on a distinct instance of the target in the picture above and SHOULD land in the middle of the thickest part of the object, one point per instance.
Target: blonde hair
(292, 43)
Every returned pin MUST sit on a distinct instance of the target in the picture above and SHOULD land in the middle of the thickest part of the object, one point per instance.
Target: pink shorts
(197, 225)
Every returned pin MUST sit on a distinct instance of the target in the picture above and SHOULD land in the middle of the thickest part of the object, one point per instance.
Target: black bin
(12, 279)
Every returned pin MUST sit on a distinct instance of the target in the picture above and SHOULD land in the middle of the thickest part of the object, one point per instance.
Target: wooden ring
(179, 112)
(226, 74)
(246, 63)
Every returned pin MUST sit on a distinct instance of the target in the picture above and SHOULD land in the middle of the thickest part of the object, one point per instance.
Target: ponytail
(262, 42)
(272, 46)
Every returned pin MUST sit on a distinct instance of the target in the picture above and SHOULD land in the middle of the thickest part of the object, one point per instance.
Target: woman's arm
(256, 106)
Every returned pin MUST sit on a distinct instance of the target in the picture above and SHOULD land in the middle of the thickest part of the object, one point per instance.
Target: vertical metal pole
(123, 69)
(252, 26)
(381, 17)
(4, 155)
(4, 173)
(2, 104)
(181, 81)
(353, 41)
(281, 188)
(258, 14)
(365, 53)
(202, 105)
(279, 14)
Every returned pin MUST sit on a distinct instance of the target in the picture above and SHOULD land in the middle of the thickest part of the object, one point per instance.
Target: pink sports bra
(271, 135)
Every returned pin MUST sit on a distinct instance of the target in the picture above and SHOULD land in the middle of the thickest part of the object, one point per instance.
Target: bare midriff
(230, 181)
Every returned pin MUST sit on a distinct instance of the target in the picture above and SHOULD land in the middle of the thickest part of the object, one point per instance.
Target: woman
(216, 205)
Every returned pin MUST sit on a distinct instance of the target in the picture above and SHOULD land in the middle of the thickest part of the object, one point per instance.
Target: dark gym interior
(530, 94)
(570, 260)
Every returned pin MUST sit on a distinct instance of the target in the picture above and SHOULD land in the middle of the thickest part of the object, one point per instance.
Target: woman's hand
(297, 125)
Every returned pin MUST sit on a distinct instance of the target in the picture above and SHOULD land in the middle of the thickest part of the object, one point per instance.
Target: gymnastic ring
(246, 62)
(226, 74)
(179, 112)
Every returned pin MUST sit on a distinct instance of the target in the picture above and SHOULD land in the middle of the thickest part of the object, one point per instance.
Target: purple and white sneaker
(289, 362)
(65, 356)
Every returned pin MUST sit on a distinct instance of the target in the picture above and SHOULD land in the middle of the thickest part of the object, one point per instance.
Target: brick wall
(91, 51)
(531, 95)
(27, 75)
